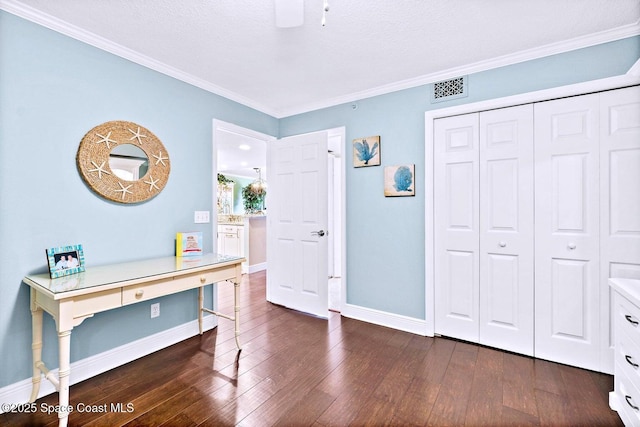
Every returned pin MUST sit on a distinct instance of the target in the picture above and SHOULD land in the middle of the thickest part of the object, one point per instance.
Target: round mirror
(128, 162)
(123, 162)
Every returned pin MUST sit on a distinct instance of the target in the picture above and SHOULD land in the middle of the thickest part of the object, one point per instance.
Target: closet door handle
(571, 246)
(630, 361)
(628, 399)
(631, 320)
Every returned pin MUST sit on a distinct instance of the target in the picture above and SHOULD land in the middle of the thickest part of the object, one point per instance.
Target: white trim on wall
(92, 39)
(632, 77)
(81, 370)
(383, 318)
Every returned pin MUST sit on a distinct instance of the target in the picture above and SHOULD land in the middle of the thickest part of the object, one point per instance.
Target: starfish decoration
(137, 135)
(124, 190)
(100, 169)
(106, 140)
(160, 158)
(152, 183)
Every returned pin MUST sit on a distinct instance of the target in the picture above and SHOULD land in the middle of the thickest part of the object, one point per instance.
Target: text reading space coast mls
(80, 407)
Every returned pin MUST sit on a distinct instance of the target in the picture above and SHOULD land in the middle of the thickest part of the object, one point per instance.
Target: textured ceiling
(233, 47)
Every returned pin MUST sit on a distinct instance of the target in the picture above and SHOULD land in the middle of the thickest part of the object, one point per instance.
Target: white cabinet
(625, 399)
(537, 203)
(231, 240)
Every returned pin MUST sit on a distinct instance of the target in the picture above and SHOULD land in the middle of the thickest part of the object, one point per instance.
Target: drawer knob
(139, 293)
(628, 399)
(630, 361)
(571, 246)
(203, 279)
(631, 320)
(502, 244)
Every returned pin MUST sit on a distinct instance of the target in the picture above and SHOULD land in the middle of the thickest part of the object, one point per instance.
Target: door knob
(318, 233)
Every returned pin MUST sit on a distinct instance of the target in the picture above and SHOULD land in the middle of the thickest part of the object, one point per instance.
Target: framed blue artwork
(399, 181)
(366, 151)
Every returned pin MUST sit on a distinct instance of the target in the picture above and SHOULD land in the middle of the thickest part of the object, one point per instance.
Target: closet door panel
(506, 228)
(567, 297)
(456, 226)
(620, 200)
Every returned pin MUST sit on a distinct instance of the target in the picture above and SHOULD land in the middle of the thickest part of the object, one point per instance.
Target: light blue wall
(53, 90)
(385, 236)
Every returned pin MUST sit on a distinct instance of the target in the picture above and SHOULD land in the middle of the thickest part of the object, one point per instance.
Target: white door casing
(297, 223)
(567, 231)
(506, 229)
(456, 220)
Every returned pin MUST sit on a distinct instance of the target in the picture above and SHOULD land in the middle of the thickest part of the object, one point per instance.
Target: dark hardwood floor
(297, 370)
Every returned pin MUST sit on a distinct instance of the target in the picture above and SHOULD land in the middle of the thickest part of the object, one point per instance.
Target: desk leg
(236, 308)
(201, 307)
(64, 354)
(36, 347)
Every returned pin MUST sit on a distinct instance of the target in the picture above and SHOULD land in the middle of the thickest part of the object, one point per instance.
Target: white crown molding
(16, 8)
(635, 70)
(525, 55)
(63, 27)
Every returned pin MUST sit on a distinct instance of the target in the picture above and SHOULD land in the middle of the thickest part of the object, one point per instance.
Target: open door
(297, 223)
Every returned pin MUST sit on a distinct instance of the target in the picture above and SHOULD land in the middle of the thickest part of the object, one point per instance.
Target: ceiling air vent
(449, 89)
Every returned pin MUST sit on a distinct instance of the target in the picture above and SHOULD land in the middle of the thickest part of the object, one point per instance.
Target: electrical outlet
(155, 310)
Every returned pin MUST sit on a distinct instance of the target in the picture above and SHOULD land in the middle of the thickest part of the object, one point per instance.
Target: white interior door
(567, 231)
(297, 223)
(506, 229)
(620, 199)
(456, 226)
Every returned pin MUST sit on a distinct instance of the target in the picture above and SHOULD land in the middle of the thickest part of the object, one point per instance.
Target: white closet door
(506, 229)
(456, 226)
(567, 231)
(620, 199)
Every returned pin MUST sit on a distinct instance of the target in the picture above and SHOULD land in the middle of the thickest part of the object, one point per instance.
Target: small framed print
(65, 260)
(399, 181)
(366, 151)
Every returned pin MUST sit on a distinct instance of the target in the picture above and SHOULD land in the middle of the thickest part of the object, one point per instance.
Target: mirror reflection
(128, 162)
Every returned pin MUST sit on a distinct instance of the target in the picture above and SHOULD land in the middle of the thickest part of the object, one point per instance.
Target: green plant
(223, 179)
(253, 199)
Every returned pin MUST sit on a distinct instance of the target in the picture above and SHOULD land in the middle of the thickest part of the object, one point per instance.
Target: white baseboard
(81, 370)
(257, 267)
(382, 318)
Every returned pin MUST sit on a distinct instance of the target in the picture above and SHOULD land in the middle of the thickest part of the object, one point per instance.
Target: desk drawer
(146, 291)
(83, 305)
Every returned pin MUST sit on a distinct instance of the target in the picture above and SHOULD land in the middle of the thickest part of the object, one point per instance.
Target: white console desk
(72, 299)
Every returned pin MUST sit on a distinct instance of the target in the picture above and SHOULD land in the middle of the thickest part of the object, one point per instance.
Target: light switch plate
(201, 217)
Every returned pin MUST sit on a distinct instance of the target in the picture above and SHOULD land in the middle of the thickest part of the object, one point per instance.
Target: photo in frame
(65, 260)
(366, 151)
(399, 181)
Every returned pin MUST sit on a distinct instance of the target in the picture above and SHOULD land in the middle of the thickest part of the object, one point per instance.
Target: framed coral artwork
(399, 181)
(366, 151)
